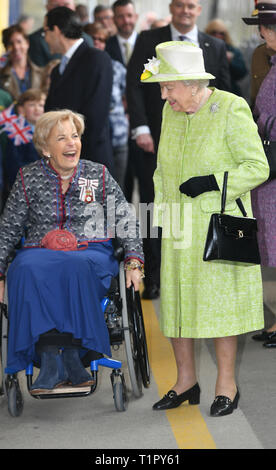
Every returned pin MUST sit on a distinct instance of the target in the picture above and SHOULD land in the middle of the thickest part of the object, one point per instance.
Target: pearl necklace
(67, 177)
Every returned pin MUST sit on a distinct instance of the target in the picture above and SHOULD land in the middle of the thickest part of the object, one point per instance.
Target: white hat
(176, 60)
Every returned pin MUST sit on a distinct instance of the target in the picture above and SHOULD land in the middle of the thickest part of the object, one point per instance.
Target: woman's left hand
(134, 276)
(198, 185)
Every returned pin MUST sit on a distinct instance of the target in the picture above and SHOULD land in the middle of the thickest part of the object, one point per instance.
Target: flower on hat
(255, 12)
(151, 68)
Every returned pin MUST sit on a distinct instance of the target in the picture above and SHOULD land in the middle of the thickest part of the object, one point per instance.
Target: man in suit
(145, 107)
(39, 51)
(104, 15)
(121, 45)
(83, 85)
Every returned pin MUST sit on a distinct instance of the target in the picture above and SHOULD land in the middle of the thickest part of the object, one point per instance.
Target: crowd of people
(105, 77)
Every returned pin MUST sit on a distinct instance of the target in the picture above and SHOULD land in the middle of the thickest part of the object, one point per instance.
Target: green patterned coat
(206, 299)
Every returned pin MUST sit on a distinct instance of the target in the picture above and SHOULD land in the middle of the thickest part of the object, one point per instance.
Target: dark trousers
(142, 166)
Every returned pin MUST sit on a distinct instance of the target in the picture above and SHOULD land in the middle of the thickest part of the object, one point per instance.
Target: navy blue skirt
(59, 290)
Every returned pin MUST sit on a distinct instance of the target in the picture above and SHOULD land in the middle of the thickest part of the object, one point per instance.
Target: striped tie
(183, 38)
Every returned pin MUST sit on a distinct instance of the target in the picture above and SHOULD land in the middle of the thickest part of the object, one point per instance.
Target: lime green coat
(217, 298)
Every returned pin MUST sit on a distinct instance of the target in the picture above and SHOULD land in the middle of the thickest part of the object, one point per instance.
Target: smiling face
(32, 110)
(125, 19)
(17, 47)
(184, 14)
(64, 147)
(177, 95)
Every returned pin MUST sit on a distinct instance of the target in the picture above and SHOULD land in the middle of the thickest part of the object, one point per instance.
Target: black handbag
(270, 147)
(230, 237)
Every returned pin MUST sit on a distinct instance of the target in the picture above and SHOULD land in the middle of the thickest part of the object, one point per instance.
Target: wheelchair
(124, 318)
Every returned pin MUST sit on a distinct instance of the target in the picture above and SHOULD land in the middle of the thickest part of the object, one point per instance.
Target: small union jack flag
(7, 117)
(3, 60)
(20, 131)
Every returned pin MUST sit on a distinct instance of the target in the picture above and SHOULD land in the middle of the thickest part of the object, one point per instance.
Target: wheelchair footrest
(105, 362)
(64, 389)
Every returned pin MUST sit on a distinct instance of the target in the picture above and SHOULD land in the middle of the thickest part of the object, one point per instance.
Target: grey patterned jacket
(94, 209)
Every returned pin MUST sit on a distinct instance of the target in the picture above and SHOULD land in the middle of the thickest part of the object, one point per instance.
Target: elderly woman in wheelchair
(68, 210)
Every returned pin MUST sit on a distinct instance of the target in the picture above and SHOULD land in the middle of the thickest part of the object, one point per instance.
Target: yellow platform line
(187, 423)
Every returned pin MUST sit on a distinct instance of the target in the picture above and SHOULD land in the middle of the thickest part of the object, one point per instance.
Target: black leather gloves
(198, 185)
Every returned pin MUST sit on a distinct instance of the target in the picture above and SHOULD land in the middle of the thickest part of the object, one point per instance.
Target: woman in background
(237, 66)
(19, 73)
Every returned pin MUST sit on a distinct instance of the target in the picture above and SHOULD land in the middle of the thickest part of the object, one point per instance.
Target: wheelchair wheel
(135, 309)
(4, 345)
(15, 398)
(119, 397)
(119, 390)
(134, 335)
(2, 390)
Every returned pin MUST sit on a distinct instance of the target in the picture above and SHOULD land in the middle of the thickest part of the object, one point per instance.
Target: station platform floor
(93, 423)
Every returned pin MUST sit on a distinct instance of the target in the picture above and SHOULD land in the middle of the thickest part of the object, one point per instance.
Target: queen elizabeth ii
(205, 132)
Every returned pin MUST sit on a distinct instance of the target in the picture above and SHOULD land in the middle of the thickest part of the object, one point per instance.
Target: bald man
(39, 51)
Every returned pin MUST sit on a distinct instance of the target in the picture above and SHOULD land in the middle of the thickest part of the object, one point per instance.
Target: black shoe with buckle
(265, 336)
(223, 406)
(172, 400)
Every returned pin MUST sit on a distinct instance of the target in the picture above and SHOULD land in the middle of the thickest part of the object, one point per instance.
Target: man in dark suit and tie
(145, 106)
(82, 82)
(121, 45)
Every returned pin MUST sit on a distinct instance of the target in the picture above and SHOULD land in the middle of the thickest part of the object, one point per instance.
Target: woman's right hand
(134, 276)
(2, 290)
(145, 142)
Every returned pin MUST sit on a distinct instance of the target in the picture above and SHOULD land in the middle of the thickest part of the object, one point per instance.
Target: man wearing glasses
(81, 82)
(39, 52)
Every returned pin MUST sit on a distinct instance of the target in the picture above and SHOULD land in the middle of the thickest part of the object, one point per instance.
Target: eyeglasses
(107, 17)
(97, 38)
(43, 33)
(220, 33)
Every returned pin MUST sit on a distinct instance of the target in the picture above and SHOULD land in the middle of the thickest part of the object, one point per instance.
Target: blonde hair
(49, 120)
(218, 25)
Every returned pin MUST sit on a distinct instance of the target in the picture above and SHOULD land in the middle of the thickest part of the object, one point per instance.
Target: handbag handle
(223, 197)
(268, 128)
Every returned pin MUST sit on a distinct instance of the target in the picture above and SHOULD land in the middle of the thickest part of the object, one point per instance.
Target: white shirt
(131, 41)
(191, 35)
(73, 49)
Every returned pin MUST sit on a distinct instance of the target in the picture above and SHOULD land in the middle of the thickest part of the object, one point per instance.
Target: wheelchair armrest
(118, 250)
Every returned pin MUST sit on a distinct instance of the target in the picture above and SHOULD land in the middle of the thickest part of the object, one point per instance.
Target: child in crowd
(20, 149)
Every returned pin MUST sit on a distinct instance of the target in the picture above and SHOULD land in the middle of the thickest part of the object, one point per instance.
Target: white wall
(232, 10)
